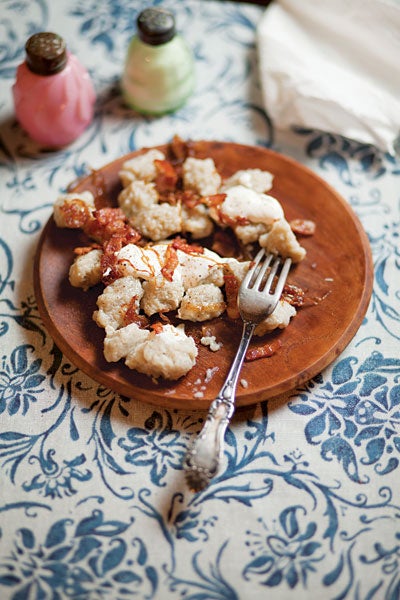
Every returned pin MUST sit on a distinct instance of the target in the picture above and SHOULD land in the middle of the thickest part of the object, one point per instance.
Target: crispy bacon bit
(167, 176)
(171, 262)
(157, 327)
(115, 234)
(214, 201)
(302, 226)
(76, 213)
(109, 258)
(86, 249)
(181, 244)
(109, 264)
(293, 294)
(109, 227)
(169, 197)
(189, 198)
(231, 221)
(107, 222)
(132, 315)
(231, 293)
(179, 148)
(263, 351)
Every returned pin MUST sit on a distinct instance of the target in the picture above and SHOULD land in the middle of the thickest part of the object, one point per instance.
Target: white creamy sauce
(256, 207)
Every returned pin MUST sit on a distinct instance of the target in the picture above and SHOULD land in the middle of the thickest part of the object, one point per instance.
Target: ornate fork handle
(204, 456)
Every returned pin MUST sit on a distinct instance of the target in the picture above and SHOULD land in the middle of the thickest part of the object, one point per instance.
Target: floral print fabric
(93, 502)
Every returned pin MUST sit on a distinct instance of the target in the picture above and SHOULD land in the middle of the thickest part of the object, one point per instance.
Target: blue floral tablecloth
(93, 503)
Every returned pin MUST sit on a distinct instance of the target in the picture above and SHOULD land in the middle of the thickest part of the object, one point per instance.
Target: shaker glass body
(54, 109)
(158, 79)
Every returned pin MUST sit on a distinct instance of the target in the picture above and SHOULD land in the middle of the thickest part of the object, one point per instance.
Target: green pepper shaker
(158, 75)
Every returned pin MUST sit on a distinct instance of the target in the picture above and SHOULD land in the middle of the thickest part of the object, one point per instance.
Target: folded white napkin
(333, 65)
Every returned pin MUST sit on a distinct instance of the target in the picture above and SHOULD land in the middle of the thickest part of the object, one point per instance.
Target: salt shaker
(53, 94)
(158, 75)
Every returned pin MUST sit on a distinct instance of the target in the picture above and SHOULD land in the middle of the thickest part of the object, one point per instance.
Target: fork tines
(262, 273)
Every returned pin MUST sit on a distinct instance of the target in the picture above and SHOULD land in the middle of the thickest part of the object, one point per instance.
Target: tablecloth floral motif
(93, 502)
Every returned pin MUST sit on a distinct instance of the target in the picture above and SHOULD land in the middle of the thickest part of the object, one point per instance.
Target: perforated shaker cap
(156, 26)
(46, 53)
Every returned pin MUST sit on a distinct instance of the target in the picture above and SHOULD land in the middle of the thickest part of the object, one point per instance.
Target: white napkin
(333, 65)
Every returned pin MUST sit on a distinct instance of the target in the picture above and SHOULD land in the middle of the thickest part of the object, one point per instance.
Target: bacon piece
(181, 149)
(171, 262)
(263, 351)
(79, 251)
(189, 198)
(302, 226)
(232, 221)
(169, 197)
(178, 148)
(109, 262)
(157, 327)
(109, 227)
(293, 295)
(214, 201)
(109, 259)
(102, 221)
(181, 244)
(167, 176)
(231, 293)
(76, 213)
(132, 315)
(107, 222)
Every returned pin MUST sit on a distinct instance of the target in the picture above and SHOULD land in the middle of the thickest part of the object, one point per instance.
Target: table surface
(93, 502)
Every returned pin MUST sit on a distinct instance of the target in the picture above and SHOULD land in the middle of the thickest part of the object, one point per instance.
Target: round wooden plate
(336, 276)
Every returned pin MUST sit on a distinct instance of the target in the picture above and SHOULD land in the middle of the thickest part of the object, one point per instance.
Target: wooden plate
(336, 275)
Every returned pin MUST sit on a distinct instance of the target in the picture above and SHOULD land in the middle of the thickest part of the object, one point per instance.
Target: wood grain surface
(336, 276)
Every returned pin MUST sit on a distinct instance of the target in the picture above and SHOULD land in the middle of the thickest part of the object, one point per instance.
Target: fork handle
(204, 456)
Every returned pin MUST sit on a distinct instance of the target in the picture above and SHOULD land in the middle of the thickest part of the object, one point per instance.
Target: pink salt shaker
(53, 94)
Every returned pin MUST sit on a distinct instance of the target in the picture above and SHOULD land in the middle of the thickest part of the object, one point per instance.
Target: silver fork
(256, 300)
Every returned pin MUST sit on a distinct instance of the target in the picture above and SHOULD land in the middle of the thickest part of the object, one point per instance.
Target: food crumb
(210, 374)
(198, 395)
(211, 342)
(244, 383)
